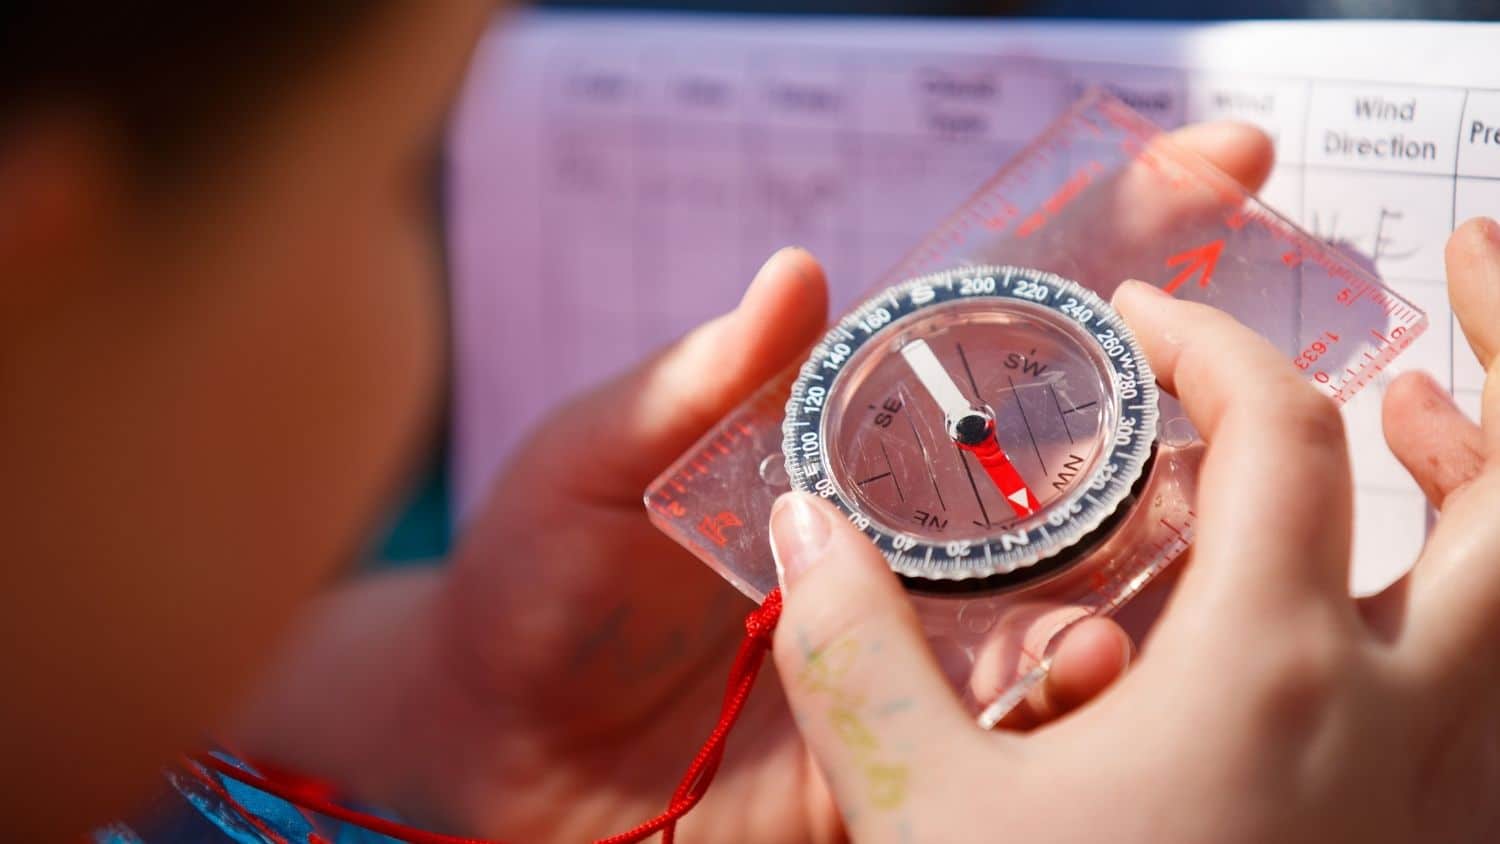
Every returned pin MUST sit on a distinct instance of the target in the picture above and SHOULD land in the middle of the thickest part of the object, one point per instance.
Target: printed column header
(1384, 127)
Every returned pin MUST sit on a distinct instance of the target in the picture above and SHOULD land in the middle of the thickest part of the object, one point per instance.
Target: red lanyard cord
(759, 626)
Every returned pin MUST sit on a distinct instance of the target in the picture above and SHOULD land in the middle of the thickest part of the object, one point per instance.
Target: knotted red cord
(759, 625)
(310, 795)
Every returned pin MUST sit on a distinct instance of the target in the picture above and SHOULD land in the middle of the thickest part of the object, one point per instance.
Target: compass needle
(932, 375)
(972, 428)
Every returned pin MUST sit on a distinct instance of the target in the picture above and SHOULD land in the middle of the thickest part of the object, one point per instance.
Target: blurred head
(219, 344)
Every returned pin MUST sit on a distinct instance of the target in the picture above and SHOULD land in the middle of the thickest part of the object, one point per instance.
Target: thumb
(872, 704)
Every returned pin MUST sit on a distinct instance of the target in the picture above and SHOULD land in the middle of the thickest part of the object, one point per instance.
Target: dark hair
(171, 77)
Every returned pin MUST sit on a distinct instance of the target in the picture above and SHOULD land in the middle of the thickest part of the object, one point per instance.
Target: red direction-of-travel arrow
(1203, 258)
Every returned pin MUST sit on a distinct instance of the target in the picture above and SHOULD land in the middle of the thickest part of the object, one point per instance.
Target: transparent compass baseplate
(1099, 197)
(990, 429)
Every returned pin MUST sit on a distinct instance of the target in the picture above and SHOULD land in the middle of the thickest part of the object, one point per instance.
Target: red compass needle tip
(1003, 474)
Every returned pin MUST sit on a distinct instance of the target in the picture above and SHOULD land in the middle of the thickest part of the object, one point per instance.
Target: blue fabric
(187, 811)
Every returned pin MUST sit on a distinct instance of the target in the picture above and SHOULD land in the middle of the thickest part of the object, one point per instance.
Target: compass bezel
(1069, 525)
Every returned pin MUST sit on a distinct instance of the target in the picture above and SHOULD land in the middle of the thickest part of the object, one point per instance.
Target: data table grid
(667, 171)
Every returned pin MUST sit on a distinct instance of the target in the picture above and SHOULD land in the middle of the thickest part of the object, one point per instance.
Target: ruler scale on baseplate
(987, 418)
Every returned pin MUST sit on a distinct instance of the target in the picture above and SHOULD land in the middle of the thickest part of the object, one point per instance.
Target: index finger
(1152, 196)
(1274, 492)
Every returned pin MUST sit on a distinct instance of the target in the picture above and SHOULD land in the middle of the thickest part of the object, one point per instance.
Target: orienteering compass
(994, 429)
(985, 426)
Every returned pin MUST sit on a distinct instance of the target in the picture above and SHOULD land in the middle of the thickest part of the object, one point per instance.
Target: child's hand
(556, 680)
(595, 643)
(1271, 706)
(554, 683)
(601, 647)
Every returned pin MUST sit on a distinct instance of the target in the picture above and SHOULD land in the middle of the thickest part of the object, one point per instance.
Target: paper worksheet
(615, 180)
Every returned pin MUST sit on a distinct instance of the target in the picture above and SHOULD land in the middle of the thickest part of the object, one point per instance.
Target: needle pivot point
(972, 428)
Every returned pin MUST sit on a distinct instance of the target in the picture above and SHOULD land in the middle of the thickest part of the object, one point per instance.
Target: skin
(1270, 706)
(210, 394)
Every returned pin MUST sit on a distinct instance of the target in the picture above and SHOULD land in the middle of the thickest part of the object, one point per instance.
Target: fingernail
(799, 533)
(1146, 287)
(785, 251)
(763, 274)
(1434, 388)
(1127, 649)
(1491, 230)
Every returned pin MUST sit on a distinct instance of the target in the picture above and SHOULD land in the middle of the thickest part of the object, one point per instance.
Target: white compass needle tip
(935, 379)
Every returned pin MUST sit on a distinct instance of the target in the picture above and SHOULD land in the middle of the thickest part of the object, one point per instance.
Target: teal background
(420, 534)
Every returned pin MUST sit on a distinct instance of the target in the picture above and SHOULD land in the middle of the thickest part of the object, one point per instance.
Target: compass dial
(983, 425)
